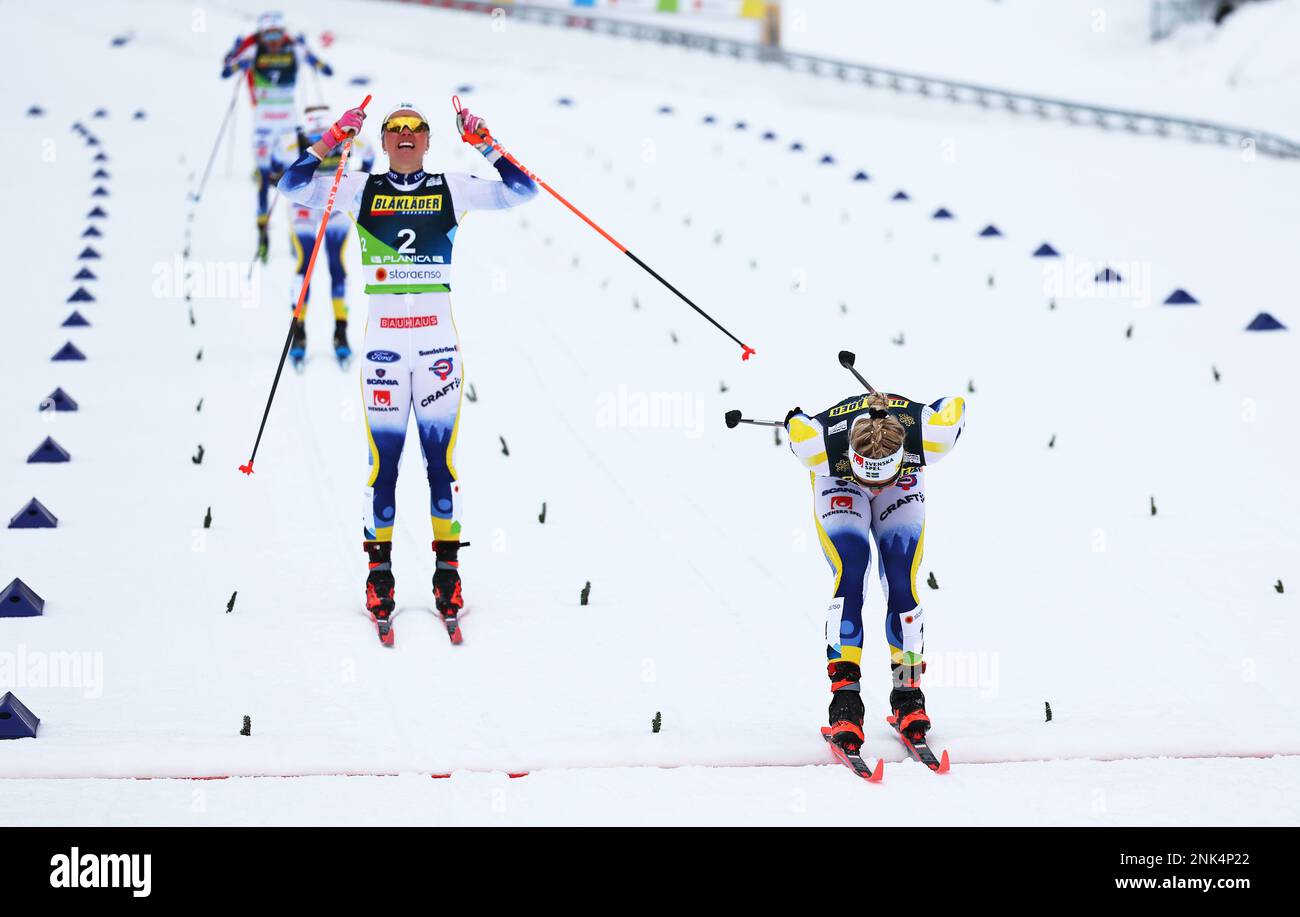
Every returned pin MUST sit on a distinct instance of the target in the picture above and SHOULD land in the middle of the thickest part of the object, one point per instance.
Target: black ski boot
(342, 351)
(380, 587)
(446, 586)
(846, 711)
(910, 717)
(298, 344)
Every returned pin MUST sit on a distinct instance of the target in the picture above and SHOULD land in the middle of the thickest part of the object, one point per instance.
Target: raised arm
(941, 425)
(808, 441)
(302, 185)
(471, 193)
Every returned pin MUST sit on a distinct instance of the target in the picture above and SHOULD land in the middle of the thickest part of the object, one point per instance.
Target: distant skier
(407, 220)
(271, 58)
(304, 222)
(867, 455)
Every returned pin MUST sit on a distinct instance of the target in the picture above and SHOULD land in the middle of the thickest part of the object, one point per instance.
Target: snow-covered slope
(1149, 636)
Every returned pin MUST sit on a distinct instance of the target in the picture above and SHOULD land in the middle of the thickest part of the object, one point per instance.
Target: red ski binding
(921, 750)
(855, 762)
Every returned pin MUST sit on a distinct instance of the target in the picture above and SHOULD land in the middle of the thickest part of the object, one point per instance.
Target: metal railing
(956, 91)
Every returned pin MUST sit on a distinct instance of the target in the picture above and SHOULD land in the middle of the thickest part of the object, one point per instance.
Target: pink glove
(348, 125)
(471, 127)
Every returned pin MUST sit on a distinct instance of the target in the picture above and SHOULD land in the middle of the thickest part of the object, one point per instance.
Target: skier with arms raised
(406, 220)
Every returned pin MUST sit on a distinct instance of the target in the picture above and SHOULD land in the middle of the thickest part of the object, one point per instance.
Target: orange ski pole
(302, 294)
(486, 137)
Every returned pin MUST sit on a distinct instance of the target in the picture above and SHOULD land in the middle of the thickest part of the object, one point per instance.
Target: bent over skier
(407, 220)
(867, 456)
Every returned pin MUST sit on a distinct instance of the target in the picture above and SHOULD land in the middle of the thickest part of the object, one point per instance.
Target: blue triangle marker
(97, 212)
(91, 231)
(360, 81)
(76, 320)
(1046, 251)
(100, 173)
(1181, 297)
(943, 213)
(100, 113)
(87, 253)
(796, 147)
(139, 115)
(900, 196)
(82, 295)
(741, 125)
(827, 160)
(1265, 322)
(35, 111)
(92, 141)
(1107, 275)
(58, 400)
(33, 516)
(665, 109)
(861, 176)
(69, 351)
(49, 451)
(990, 231)
(16, 721)
(464, 88)
(565, 101)
(84, 274)
(101, 156)
(769, 135)
(18, 600)
(101, 191)
(709, 119)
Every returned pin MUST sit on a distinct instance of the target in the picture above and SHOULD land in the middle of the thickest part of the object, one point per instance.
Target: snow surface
(1153, 638)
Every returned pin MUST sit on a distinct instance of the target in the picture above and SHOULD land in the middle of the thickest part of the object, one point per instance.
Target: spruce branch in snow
(657, 723)
(505, 450)
(970, 387)
(197, 458)
(207, 518)
(1215, 370)
(1278, 586)
(932, 582)
(585, 594)
(1051, 443)
(1153, 506)
(198, 407)
(199, 355)
(230, 606)
(471, 395)
(1047, 706)
(247, 729)
(541, 517)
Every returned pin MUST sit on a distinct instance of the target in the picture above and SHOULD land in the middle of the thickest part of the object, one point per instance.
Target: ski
(299, 360)
(453, 628)
(384, 626)
(854, 761)
(344, 357)
(920, 750)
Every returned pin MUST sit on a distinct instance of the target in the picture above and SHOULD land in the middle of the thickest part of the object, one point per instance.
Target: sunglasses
(409, 122)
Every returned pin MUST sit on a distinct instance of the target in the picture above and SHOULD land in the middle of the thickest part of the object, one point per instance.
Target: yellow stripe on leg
(827, 545)
(916, 564)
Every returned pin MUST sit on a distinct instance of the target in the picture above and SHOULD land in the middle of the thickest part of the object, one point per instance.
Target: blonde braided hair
(877, 437)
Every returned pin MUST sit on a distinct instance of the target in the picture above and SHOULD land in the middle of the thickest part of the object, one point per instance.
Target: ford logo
(382, 356)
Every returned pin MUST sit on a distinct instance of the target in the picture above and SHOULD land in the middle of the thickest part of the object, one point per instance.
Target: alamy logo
(103, 870)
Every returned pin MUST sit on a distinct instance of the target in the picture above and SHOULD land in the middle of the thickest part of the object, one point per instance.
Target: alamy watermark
(26, 668)
(230, 280)
(651, 410)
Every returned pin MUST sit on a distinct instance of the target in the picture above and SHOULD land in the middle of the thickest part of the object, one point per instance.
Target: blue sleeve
(299, 175)
(515, 178)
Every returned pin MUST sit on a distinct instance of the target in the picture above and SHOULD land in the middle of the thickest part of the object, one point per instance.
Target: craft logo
(383, 398)
(388, 204)
(103, 870)
(410, 321)
(442, 368)
(841, 503)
